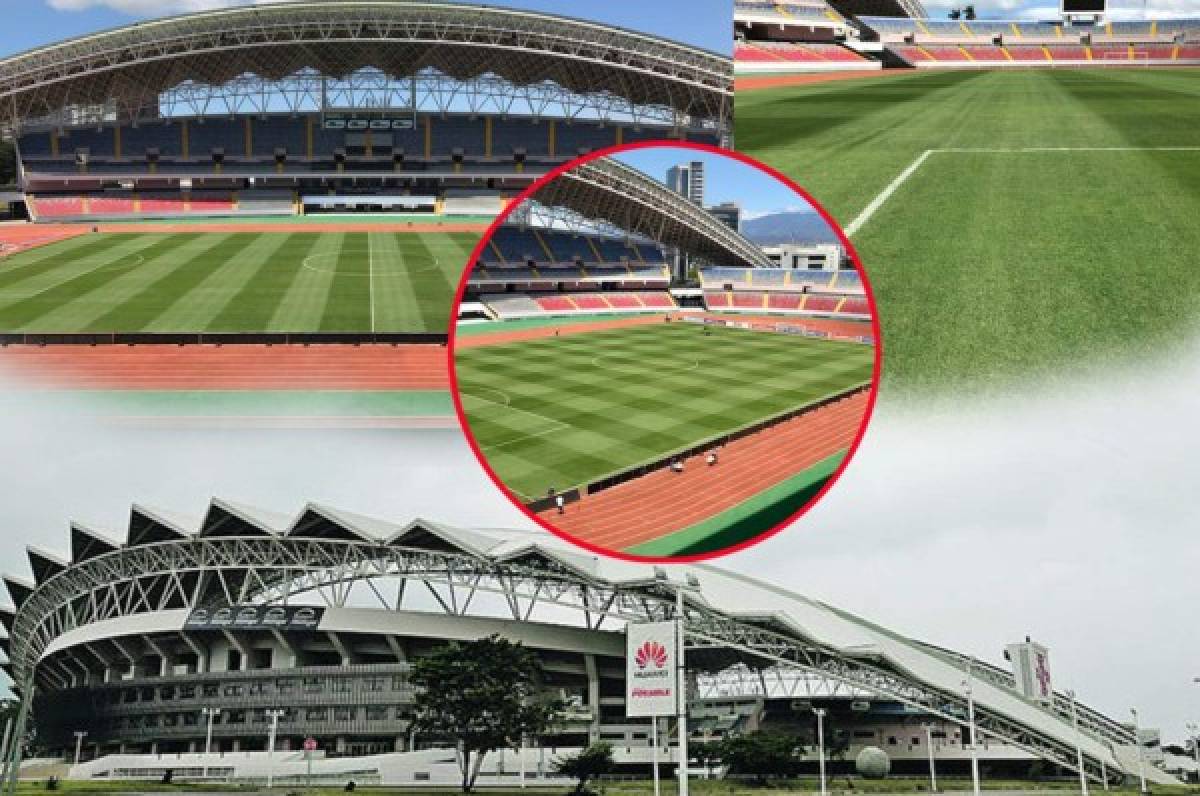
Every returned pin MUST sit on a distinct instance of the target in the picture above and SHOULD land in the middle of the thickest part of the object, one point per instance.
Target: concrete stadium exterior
(320, 615)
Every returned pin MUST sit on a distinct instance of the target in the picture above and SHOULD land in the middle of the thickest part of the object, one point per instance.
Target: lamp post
(1137, 738)
(820, 713)
(681, 694)
(929, 746)
(969, 690)
(274, 715)
(79, 736)
(211, 713)
(1083, 785)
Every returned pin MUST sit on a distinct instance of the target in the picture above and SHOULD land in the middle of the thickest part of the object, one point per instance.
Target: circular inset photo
(664, 351)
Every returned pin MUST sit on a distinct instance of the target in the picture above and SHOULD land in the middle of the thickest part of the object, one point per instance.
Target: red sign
(651, 653)
(310, 744)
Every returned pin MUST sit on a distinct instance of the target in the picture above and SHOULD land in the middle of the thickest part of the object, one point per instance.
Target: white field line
(554, 427)
(876, 203)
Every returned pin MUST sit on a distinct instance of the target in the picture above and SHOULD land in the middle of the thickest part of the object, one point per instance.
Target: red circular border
(537, 185)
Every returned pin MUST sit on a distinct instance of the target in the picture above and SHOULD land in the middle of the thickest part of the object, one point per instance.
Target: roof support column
(341, 648)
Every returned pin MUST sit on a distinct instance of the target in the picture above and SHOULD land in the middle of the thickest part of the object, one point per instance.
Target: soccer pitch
(565, 411)
(1013, 223)
(191, 282)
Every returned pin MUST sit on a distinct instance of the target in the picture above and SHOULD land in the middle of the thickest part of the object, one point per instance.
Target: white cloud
(1068, 514)
(750, 215)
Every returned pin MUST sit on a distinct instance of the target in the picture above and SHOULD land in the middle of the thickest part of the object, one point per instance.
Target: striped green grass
(993, 267)
(564, 411)
(235, 282)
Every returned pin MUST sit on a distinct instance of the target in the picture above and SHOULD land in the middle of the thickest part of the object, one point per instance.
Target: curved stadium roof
(730, 618)
(133, 65)
(607, 190)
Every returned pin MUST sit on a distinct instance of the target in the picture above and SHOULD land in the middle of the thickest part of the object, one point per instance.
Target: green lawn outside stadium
(993, 266)
(235, 282)
(564, 411)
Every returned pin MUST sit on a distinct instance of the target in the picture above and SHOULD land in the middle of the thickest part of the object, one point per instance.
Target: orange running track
(661, 502)
(230, 367)
(753, 82)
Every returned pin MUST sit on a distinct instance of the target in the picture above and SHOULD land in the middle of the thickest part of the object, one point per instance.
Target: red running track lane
(18, 236)
(753, 82)
(230, 367)
(495, 338)
(662, 502)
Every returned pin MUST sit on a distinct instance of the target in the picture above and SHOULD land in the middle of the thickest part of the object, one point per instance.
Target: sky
(726, 179)
(703, 23)
(1040, 9)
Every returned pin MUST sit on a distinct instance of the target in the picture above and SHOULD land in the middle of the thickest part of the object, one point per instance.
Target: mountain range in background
(789, 227)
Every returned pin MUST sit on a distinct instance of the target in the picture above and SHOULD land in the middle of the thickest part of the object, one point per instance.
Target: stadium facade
(138, 644)
(275, 109)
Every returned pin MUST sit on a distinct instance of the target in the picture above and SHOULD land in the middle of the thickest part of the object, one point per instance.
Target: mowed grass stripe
(47, 275)
(348, 300)
(303, 305)
(62, 302)
(259, 289)
(36, 262)
(636, 394)
(235, 282)
(993, 268)
(196, 308)
(187, 268)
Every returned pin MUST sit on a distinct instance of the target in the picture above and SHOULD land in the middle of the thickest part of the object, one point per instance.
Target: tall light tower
(1137, 738)
(210, 713)
(929, 745)
(969, 690)
(1083, 783)
(820, 712)
(274, 715)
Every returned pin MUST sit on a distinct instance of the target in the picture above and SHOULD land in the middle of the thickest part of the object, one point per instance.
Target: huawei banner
(650, 674)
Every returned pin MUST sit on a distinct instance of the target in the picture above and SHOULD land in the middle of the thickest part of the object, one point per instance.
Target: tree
(592, 763)
(481, 696)
(955, 14)
(761, 755)
(969, 13)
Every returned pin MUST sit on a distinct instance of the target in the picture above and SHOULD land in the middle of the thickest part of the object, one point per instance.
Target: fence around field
(222, 338)
(703, 446)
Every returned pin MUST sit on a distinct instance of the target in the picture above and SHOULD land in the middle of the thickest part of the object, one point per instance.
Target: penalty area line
(862, 218)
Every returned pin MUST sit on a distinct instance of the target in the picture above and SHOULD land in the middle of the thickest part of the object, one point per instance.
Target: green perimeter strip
(748, 518)
(247, 403)
(517, 324)
(330, 218)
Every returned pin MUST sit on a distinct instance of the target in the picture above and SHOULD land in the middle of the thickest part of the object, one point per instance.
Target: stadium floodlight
(211, 713)
(1083, 785)
(79, 736)
(274, 715)
(932, 768)
(1137, 739)
(681, 693)
(969, 692)
(820, 713)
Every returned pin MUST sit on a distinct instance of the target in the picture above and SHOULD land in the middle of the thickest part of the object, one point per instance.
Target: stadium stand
(932, 43)
(836, 293)
(795, 36)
